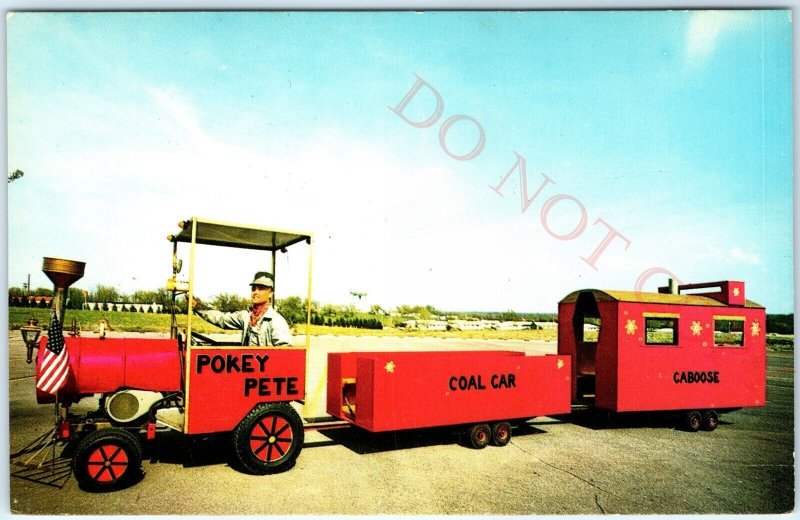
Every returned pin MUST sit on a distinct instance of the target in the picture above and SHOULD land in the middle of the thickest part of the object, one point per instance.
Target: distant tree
(147, 297)
(16, 174)
(329, 310)
(315, 309)
(293, 309)
(163, 297)
(43, 291)
(509, 315)
(780, 323)
(405, 310)
(375, 309)
(229, 302)
(106, 294)
(432, 310)
(74, 298)
(181, 306)
(16, 291)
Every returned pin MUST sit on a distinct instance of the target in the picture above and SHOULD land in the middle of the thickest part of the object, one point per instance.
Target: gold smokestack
(62, 273)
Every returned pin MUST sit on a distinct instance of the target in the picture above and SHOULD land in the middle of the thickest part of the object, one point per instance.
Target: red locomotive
(698, 354)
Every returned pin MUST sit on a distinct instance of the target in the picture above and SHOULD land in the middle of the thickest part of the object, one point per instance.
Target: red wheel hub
(107, 463)
(271, 438)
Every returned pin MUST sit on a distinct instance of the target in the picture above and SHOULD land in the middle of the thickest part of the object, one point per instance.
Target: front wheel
(107, 460)
(269, 439)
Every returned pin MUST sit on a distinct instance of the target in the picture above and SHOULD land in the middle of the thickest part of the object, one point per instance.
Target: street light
(30, 335)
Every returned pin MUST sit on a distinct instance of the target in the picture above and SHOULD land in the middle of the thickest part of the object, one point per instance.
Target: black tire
(269, 439)
(501, 433)
(479, 436)
(107, 460)
(692, 421)
(710, 420)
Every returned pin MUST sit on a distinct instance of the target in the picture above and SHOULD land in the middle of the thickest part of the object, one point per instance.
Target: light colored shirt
(271, 329)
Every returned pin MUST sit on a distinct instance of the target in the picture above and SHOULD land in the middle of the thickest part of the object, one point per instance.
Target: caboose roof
(648, 297)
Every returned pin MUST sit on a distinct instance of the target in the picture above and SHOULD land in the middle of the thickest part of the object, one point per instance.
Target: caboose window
(728, 332)
(661, 331)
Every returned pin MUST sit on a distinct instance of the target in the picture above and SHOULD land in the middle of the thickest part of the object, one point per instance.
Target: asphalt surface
(579, 464)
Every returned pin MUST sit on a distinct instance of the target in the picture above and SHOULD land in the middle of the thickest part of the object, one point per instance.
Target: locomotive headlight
(30, 335)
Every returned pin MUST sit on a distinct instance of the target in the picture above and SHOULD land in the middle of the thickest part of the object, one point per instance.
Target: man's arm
(224, 320)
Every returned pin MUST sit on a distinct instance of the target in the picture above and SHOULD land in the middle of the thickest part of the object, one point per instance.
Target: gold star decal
(631, 327)
(696, 328)
(755, 328)
(736, 291)
(560, 363)
(389, 367)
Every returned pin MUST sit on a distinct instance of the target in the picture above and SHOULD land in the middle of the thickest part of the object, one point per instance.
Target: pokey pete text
(248, 363)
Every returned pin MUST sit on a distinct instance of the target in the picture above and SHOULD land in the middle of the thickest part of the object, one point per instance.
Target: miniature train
(697, 355)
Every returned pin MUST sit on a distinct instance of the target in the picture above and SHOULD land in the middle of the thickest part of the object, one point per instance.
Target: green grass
(780, 342)
(118, 321)
(143, 322)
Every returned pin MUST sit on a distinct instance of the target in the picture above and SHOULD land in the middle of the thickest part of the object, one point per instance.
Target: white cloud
(744, 256)
(706, 30)
(183, 113)
(733, 256)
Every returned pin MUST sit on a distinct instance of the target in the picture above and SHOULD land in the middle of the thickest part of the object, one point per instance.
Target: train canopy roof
(650, 297)
(217, 233)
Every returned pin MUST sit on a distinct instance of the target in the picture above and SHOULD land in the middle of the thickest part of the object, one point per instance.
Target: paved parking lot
(577, 464)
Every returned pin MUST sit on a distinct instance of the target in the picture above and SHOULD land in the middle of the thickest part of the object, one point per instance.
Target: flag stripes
(54, 368)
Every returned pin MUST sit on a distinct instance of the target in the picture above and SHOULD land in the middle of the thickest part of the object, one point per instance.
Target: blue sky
(675, 128)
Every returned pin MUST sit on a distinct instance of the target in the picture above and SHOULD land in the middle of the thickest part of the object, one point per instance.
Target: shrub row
(356, 323)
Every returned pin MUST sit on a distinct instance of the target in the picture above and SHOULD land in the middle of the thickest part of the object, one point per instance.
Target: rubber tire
(260, 432)
(102, 454)
(710, 420)
(501, 433)
(693, 421)
(479, 435)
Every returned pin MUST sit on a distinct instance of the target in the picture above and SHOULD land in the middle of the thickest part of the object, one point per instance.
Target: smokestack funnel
(62, 273)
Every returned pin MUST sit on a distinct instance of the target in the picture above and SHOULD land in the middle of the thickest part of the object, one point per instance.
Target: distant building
(465, 325)
(514, 325)
(491, 324)
(546, 325)
(423, 325)
(432, 324)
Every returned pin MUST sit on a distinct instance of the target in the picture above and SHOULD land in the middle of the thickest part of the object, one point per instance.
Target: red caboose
(700, 354)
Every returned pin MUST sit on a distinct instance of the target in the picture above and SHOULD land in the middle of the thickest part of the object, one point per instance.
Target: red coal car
(483, 391)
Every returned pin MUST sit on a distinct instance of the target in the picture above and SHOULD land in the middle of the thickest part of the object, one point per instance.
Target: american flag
(54, 370)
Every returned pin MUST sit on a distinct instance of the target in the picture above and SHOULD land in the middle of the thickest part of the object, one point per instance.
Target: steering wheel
(200, 339)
